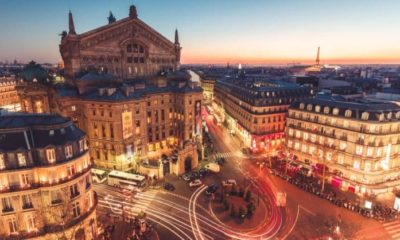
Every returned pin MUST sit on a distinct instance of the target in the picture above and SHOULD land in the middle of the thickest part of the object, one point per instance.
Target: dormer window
(335, 111)
(389, 115)
(318, 109)
(301, 106)
(68, 151)
(51, 132)
(2, 162)
(365, 115)
(309, 107)
(21, 159)
(381, 117)
(326, 110)
(347, 113)
(51, 155)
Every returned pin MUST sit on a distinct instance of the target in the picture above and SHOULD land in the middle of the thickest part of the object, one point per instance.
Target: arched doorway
(188, 164)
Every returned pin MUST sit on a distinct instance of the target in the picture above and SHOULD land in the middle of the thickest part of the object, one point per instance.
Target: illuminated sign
(127, 124)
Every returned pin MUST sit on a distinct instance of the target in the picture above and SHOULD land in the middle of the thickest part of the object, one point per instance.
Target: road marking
(393, 229)
(308, 211)
(294, 224)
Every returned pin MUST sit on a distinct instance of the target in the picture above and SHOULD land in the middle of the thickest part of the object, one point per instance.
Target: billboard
(127, 124)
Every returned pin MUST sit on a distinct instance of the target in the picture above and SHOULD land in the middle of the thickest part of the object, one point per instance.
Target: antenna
(317, 60)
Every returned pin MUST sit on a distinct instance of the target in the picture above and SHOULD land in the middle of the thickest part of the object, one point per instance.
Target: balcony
(56, 201)
(8, 209)
(75, 194)
(16, 188)
(27, 206)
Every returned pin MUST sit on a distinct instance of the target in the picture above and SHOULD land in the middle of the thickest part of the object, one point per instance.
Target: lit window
(330, 142)
(345, 124)
(311, 150)
(290, 132)
(347, 113)
(379, 152)
(297, 134)
(21, 159)
(320, 153)
(381, 117)
(329, 156)
(81, 145)
(369, 151)
(326, 110)
(73, 108)
(335, 111)
(317, 109)
(51, 132)
(7, 206)
(356, 164)
(297, 146)
(76, 209)
(340, 159)
(26, 202)
(2, 162)
(71, 170)
(309, 107)
(359, 150)
(30, 222)
(321, 140)
(367, 166)
(290, 143)
(12, 225)
(313, 138)
(68, 151)
(51, 155)
(301, 105)
(365, 116)
(55, 197)
(305, 136)
(304, 148)
(24, 179)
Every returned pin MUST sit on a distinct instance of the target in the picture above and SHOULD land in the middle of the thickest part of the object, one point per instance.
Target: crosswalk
(226, 155)
(393, 229)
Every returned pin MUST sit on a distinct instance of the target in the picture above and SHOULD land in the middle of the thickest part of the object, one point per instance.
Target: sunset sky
(219, 31)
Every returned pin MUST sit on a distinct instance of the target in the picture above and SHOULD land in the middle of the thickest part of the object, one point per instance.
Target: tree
(242, 212)
(248, 196)
(59, 213)
(233, 211)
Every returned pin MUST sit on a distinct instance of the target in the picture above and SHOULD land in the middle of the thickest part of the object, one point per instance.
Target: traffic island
(242, 212)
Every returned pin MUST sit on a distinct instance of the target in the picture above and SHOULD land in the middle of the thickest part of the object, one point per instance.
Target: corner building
(256, 108)
(45, 182)
(359, 142)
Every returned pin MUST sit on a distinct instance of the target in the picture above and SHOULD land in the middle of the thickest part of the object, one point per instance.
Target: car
(228, 183)
(187, 176)
(211, 189)
(195, 183)
(169, 187)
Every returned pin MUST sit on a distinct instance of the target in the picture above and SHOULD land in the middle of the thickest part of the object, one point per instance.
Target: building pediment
(113, 35)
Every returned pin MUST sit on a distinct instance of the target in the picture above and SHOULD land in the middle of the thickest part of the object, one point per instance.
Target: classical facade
(131, 117)
(358, 142)
(127, 48)
(45, 182)
(9, 99)
(256, 108)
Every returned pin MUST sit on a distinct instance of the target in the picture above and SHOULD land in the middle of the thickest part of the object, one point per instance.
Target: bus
(98, 175)
(133, 182)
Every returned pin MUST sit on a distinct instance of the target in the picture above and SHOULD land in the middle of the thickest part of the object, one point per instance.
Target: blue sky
(248, 31)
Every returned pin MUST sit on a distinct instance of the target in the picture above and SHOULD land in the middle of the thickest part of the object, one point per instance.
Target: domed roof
(34, 72)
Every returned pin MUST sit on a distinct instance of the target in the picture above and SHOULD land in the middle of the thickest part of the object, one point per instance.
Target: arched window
(336, 111)
(317, 108)
(326, 110)
(309, 107)
(389, 116)
(301, 105)
(365, 115)
(381, 117)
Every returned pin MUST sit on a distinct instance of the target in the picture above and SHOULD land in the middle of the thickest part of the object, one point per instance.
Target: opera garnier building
(123, 87)
(45, 182)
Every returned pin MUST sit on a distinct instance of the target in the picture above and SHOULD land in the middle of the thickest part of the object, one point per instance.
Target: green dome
(34, 71)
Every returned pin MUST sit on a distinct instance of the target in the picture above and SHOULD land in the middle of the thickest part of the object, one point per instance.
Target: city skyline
(251, 32)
